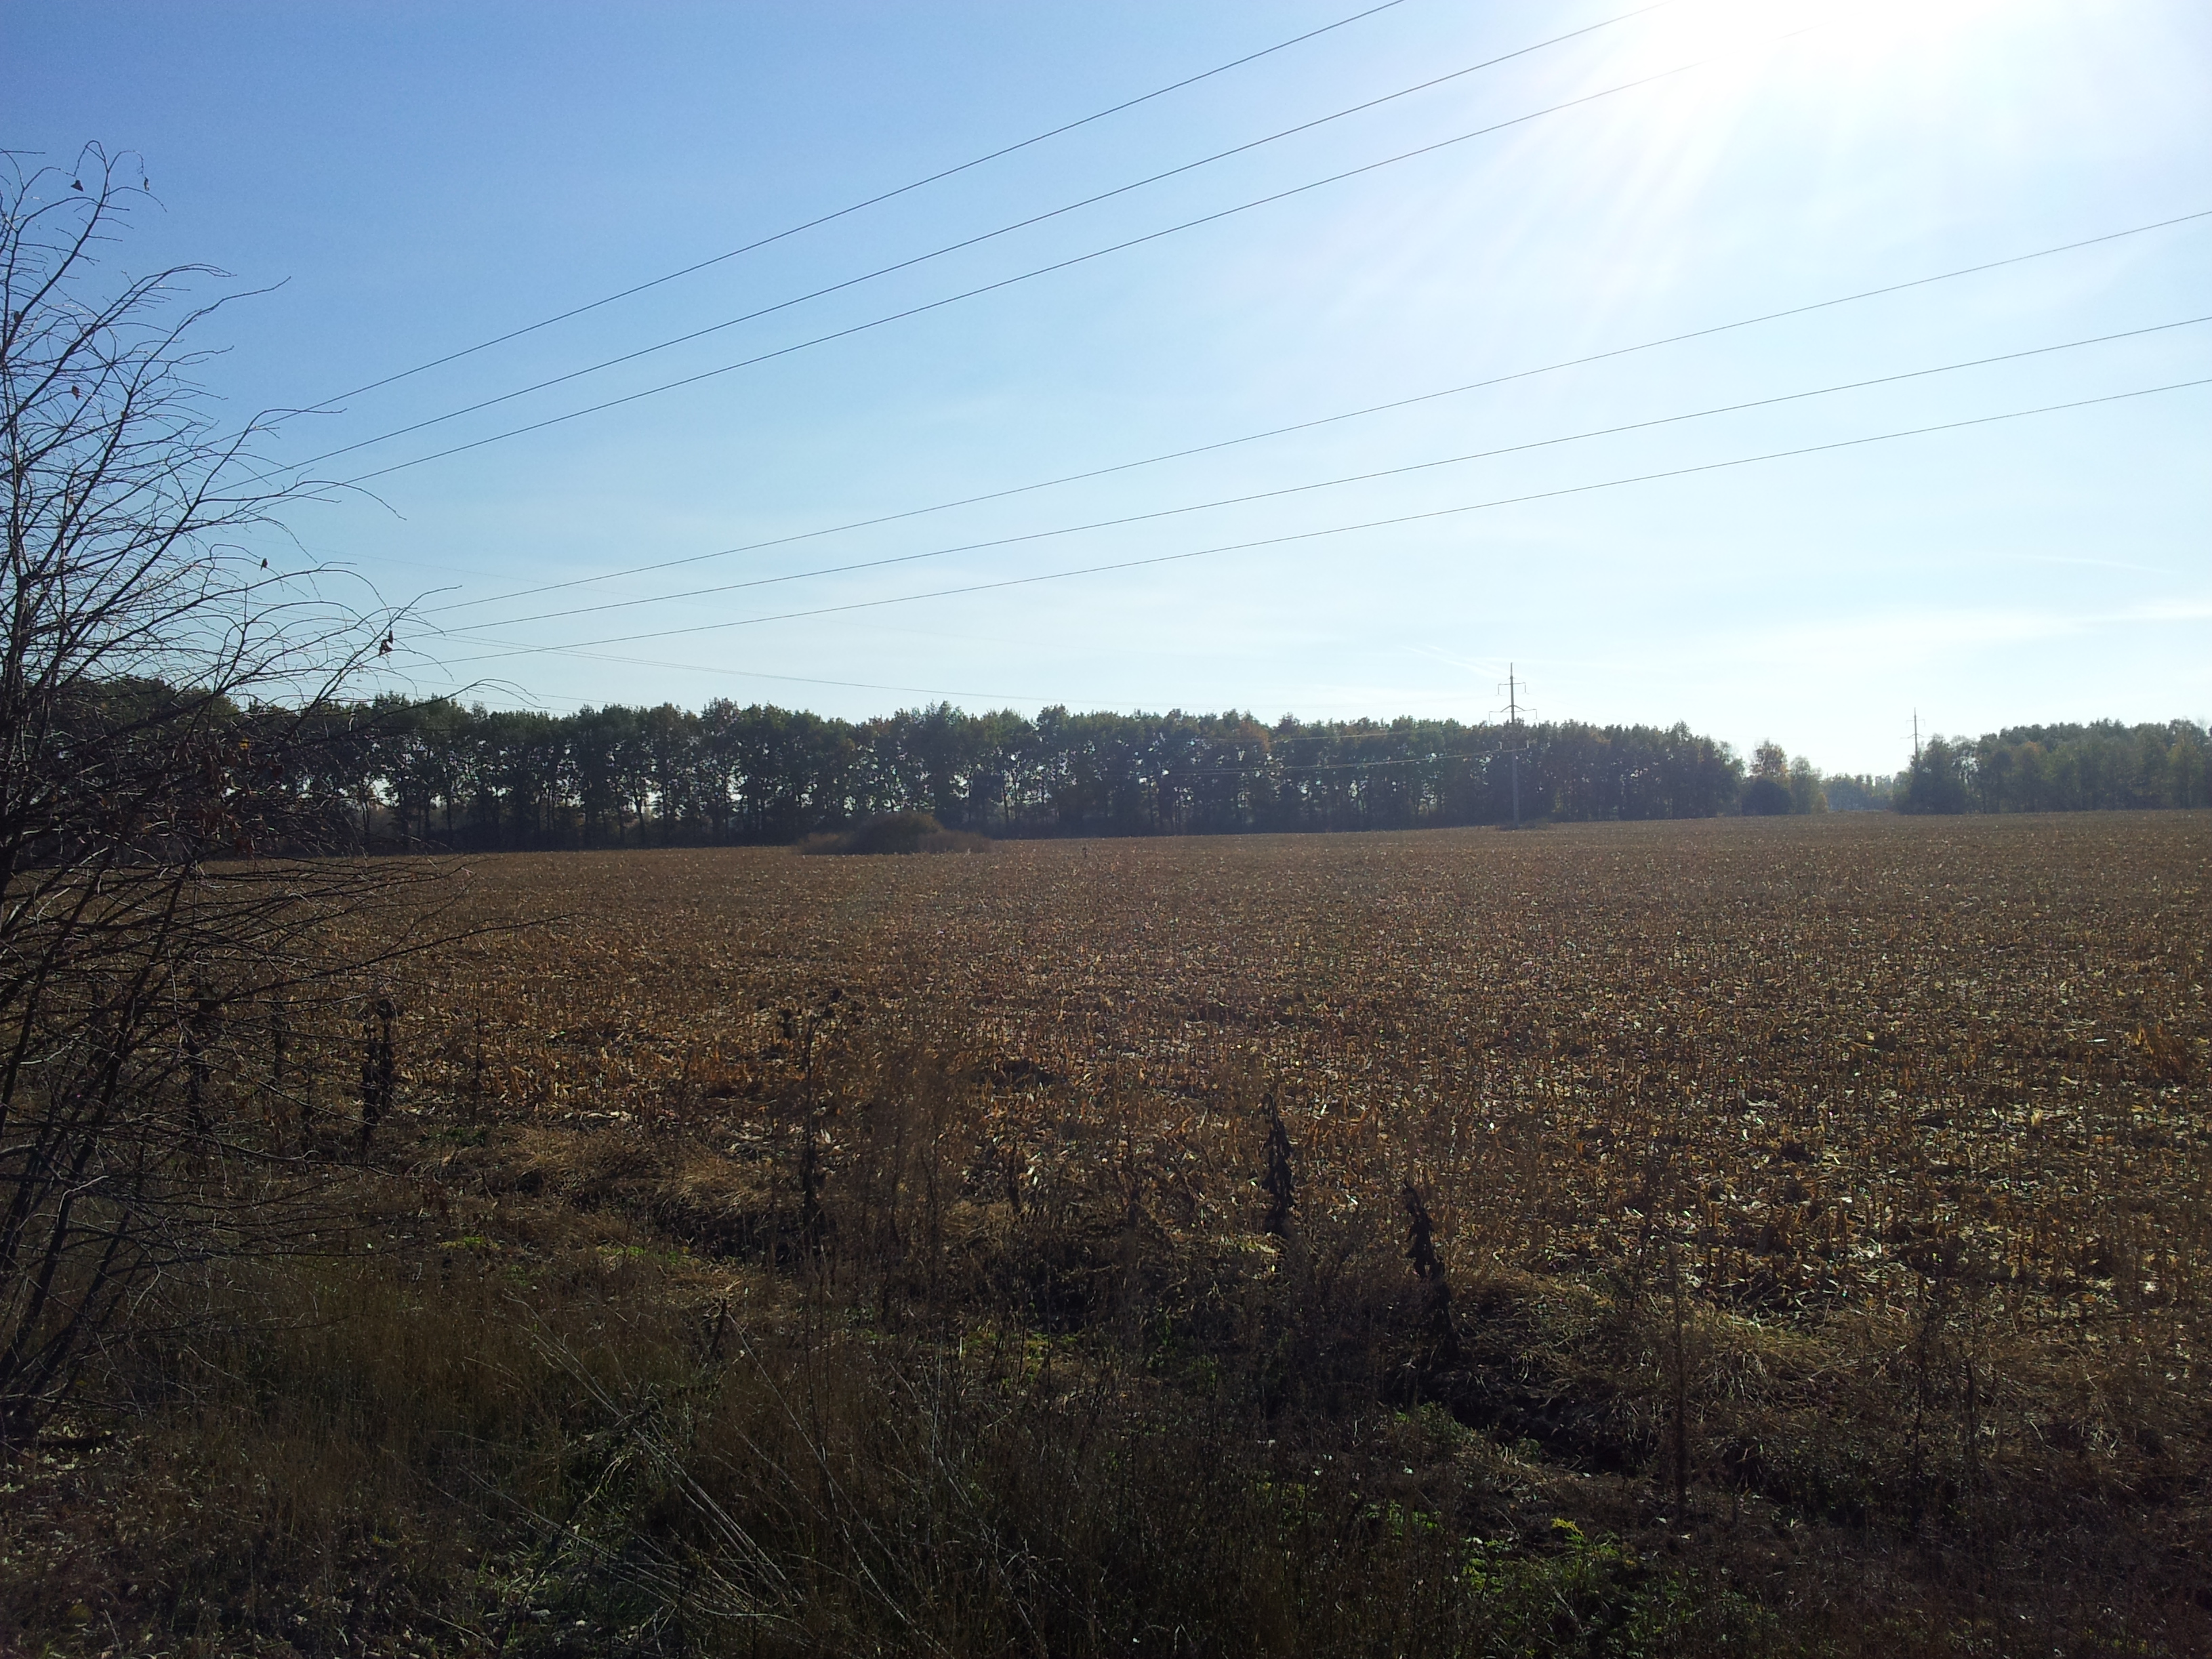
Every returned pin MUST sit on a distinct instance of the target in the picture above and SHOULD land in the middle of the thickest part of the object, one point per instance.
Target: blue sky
(410, 179)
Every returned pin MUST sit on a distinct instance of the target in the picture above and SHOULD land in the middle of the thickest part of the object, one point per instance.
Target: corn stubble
(1732, 1237)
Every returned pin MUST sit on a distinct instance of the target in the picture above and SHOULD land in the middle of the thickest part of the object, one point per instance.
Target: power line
(1005, 282)
(1326, 420)
(856, 207)
(510, 648)
(1331, 483)
(795, 679)
(950, 247)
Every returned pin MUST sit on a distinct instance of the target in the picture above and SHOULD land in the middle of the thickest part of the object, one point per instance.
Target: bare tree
(166, 699)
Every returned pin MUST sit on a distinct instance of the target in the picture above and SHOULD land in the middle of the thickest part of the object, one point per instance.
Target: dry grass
(1821, 1203)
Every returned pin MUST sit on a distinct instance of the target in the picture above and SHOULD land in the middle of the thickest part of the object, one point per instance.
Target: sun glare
(1732, 80)
(1846, 52)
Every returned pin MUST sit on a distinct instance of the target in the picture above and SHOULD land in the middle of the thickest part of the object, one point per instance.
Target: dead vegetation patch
(1351, 1247)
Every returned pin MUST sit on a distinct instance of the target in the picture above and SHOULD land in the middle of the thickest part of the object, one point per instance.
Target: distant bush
(897, 832)
(1765, 798)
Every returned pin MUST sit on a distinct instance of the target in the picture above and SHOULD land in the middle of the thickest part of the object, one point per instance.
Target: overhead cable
(939, 252)
(510, 648)
(536, 589)
(1002, 282)
(1349, 478)
(844, 212)
(795, 679)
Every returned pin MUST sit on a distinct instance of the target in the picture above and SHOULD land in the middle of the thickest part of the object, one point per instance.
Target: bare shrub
(169, 708)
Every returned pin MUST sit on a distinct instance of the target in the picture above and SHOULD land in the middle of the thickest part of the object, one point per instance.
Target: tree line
(396, 772)
(2103, 766)
(439, 773)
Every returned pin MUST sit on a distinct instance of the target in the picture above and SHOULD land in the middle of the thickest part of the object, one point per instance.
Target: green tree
(1806, 794)
(1766, 791)
(1938, 781)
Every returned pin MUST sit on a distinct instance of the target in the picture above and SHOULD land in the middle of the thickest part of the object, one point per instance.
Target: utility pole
(1512, 749)
(1513, 719)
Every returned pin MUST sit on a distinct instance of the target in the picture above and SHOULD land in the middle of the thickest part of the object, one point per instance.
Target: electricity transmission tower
(1515, 748)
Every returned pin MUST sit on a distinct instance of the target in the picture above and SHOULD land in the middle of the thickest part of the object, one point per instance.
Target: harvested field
(1909, 1113)
(1815, 1050)
(1784, 1235)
